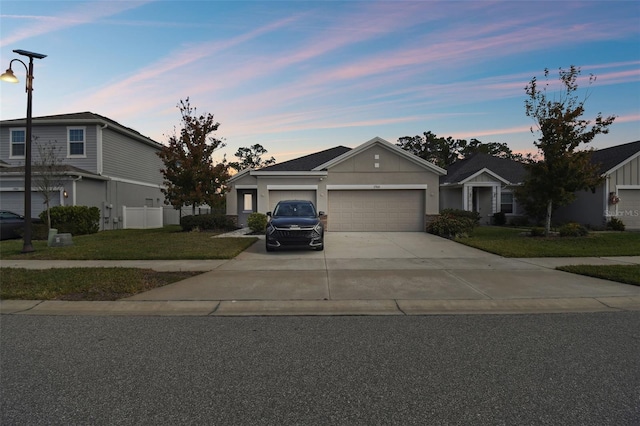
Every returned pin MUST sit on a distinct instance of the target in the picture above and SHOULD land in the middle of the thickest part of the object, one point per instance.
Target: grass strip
(82, 283)
(627, 274)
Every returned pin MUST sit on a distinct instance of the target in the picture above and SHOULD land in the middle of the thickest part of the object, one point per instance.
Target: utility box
(61, 240)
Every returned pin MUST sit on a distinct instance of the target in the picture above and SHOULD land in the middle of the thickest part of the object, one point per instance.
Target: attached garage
(290, 194)
(392, 210)
(628, 209)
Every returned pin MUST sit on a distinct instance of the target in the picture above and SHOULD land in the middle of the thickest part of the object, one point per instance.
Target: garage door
(275, 196)
(12, 201)
(379, 210)
(629, 208)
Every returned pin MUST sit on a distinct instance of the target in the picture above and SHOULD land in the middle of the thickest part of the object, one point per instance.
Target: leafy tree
(49, 174)
(190, 175)
(563, 169)
(445, 151)
(251, 158)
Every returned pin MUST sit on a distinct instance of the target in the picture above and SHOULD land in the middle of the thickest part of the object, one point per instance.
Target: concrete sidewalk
(358, 274)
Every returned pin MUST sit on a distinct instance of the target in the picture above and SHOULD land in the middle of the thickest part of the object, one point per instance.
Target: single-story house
(617, 196)
(482, 183)
(376, 186)
(104, 164)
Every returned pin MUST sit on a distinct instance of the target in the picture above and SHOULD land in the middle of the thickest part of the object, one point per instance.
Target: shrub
(448, 225)
(214, 221)
(519, 221)
(615, 224)
(572, 229)
(75, 220)
(257, 222)
(473, 216)
(537, 232)
(499, 219)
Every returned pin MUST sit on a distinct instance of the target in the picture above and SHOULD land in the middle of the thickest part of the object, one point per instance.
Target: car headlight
(270, 229)
(318, 228)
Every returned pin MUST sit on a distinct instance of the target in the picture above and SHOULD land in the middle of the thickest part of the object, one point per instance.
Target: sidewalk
(388, 274)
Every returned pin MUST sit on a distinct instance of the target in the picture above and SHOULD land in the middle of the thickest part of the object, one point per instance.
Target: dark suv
(294, 223)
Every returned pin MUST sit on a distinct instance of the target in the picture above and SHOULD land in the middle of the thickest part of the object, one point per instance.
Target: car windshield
(295, 209)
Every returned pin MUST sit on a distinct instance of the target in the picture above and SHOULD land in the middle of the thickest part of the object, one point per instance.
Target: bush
(466, 214)
(572, 229)
(615, 224)
(449, 225)
(537, 232)
(75, 220)
(257, 222)
(214, 221)
(519, 221)
(499, 219)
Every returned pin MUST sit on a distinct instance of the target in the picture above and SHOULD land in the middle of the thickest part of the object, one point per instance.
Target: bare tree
(49, 173)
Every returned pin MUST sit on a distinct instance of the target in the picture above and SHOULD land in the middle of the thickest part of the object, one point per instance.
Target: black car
(12, 224)
(294, 223)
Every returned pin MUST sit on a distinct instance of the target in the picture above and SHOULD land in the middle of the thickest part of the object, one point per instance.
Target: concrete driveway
(410, 271)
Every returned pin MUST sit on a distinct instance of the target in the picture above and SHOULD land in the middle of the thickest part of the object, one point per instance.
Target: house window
(18, 138)
(506, 202)
(248, 203)
(76, 142)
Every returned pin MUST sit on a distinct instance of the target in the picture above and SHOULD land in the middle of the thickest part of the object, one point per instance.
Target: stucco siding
(450, 198)
(125, 158)
(587, 209)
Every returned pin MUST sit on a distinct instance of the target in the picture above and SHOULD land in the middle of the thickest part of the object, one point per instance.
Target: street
(569, 369)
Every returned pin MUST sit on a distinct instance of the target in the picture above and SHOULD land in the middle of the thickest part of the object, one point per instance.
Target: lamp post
(27, 247)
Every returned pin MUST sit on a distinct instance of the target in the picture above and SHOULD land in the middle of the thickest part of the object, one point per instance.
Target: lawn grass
(83, 283)
(628, 274)
(168, 243)
(515, 242)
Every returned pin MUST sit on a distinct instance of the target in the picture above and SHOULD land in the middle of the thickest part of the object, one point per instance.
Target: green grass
(628, 274)
(514, 242)
(167, 243)
(82, 283)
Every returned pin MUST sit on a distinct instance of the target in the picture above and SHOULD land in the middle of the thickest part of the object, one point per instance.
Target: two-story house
(104, 164)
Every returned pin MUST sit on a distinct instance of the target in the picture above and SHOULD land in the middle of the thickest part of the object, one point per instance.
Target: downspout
(99, 162)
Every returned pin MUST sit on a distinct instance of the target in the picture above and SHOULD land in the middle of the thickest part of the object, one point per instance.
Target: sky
(298, 77)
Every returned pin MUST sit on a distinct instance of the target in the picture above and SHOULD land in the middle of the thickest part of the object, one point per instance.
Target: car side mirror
(268, 214)
(320, 213)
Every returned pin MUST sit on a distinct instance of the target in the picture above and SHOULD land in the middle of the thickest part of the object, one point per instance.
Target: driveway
(407, 269)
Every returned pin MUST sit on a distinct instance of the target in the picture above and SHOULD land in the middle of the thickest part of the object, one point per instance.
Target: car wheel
(320, 248)
(268, 247)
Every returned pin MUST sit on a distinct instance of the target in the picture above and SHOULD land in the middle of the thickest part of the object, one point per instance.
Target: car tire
(320, 248)
(268, 247)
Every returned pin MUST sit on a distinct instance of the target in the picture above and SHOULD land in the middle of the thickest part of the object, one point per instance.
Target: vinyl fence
(141, 217)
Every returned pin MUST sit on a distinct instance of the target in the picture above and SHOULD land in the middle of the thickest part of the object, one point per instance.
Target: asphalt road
(569, 369)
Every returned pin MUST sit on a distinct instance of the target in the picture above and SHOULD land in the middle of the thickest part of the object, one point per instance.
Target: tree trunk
(547, 225)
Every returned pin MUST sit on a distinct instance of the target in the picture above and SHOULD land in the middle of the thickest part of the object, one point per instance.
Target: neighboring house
(482, 183)
(376, 186)
(106, 165)
(617, 196)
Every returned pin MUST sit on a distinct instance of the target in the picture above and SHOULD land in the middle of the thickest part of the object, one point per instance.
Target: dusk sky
(302, 76)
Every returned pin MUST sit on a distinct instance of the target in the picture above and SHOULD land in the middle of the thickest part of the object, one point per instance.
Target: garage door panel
(628, 209)
(380, 210)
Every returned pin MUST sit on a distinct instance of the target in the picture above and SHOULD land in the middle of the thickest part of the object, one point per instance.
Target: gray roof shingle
(308, 162)
(510, 170)
(608, 158)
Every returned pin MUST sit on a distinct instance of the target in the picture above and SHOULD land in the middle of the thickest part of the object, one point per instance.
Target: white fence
(141, 217)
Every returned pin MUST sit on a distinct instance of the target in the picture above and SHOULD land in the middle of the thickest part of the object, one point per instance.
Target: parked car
(11, 224)
(294, 223)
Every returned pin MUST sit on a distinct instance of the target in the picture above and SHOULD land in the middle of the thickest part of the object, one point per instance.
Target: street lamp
(27, 247)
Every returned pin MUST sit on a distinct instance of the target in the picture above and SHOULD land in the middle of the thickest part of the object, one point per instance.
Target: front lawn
(83, 283)
(628, 274)
(515, 242)
(168, 243)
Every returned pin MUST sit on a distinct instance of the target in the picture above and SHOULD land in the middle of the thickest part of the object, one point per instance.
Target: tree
(251, 158)
(563, 169)
(48, 176)
(190, 175)
(445, 151)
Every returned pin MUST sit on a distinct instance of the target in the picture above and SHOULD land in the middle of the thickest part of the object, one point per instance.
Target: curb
(317, 307)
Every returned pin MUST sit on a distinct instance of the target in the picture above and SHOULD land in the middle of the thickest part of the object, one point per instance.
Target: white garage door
(379, 210)
(12, 201)
(275, 196)
(629, 208)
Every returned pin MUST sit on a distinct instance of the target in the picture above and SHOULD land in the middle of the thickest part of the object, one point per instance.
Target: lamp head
(8, 76)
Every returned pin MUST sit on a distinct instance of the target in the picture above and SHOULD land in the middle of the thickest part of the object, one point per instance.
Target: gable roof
(308, 162)
(613, 157)
(83, 118)
(510, 171)
(379, 141)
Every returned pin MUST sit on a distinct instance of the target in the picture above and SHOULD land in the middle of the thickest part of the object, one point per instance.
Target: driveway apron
(370, 266)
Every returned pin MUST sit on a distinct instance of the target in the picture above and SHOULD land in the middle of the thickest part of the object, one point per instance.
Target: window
(18, 138)
(248, 203)
(76, 142)
(506, 202)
